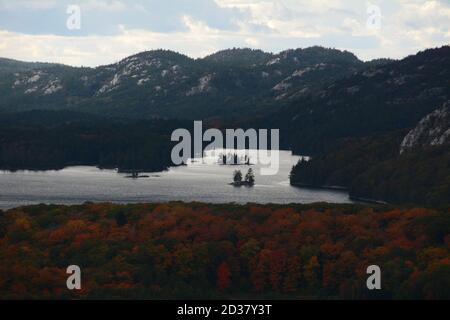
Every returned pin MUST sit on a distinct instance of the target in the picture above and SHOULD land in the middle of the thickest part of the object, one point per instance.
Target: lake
(205, 182)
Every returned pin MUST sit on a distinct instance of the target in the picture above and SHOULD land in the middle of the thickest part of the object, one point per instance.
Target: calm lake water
(195, 182)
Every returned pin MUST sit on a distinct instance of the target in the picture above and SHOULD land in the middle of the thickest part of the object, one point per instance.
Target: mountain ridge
(160, 83)
(378, 99)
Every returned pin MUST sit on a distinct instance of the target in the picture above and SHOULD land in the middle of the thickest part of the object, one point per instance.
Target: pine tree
(237, 176)
(250, 177)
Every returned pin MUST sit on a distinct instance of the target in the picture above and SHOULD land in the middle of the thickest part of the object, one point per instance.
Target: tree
(311, 272)
(237, 176)
(223, 276)
(277, 265)
(121, 218)
(250, 177)
(292, 275)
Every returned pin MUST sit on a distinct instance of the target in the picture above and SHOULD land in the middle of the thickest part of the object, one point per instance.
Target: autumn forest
(177, 250)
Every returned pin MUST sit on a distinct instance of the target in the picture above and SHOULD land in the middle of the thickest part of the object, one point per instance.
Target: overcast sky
(113, 29)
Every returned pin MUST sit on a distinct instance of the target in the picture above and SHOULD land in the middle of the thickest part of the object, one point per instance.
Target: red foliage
(223, 276)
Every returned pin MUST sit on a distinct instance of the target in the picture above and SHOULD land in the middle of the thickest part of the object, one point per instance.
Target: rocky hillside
(10, 66)
(167, 84)
(376, 100)
(433, 130)
(356, 126)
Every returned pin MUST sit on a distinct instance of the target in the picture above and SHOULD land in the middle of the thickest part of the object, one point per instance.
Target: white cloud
(199, 40)
(407, 26)
(29, 4)
(104, 5)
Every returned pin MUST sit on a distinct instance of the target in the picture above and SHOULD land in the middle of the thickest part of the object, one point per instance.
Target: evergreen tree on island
(237, 177)
(250, 177)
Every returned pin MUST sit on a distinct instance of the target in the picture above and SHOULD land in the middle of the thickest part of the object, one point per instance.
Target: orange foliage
(159, 249)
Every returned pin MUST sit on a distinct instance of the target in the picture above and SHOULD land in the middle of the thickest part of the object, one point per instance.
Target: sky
(98, 32)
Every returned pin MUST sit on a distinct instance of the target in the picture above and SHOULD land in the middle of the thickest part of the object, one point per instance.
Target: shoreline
(311, 186)
(317, 204)
(341, 188)
(367, 200)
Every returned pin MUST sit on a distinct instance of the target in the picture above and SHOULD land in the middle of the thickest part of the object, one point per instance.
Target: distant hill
(163, 83)
(11, 66)
(376, 100)
(382, 132)
(240, 57)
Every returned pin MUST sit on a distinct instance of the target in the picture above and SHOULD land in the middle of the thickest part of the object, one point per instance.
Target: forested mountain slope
(163, 83)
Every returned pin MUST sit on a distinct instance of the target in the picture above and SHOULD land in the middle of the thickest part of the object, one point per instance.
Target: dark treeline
(372, 168)
(414, 177)
(341, 164)
(47, 140)
(41, 140)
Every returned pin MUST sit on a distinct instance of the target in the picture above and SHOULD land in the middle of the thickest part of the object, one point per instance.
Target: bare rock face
(433, 130)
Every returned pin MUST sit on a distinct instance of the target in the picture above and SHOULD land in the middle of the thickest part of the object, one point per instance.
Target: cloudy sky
(110, 30)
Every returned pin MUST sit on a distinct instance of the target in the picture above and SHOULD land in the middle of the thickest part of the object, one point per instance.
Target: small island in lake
(248, 181)
(136, 175)
(234, 159)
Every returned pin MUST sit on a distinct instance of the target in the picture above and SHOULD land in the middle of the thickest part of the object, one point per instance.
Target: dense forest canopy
(177, 250)
(43, 140)
(372, 169)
